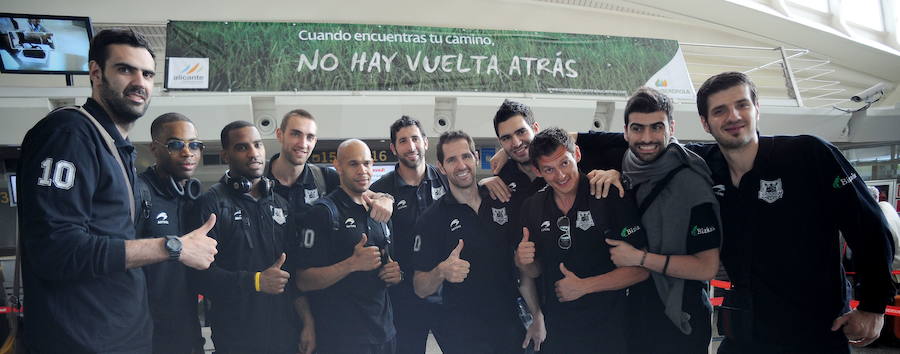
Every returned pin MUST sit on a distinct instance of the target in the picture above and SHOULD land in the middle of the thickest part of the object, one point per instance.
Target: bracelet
(256, 281)
(666, 266)
(643, 258)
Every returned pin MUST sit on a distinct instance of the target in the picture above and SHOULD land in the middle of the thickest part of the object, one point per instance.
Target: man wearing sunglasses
(164, 196)
(466, 229)
(583, 292)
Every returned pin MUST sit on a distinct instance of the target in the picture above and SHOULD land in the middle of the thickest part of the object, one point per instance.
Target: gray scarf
(666, 219)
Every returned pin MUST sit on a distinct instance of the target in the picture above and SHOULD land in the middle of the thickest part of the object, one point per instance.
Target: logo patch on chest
(310, 195)
(238, 216)
(279, 216)
(585, 221)
(437, 192)
(162, 218)
(770, 191)
(500, 216)
(350, 223)
(454, 225)
(401, 204)
(545, 226)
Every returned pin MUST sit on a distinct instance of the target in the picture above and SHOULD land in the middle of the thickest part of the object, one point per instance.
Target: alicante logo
(697, 230)
(662, 83)
(190, 72)
(630, 230)
(840, 182)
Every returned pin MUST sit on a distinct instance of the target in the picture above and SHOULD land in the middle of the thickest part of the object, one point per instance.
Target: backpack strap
(144, 204)
(333, 212)
(319, 178)
(226, 218)
(111, 145)
(658, 189)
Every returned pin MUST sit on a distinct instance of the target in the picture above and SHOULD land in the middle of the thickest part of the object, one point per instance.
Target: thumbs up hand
(569, 288)
(273, 280)
(454, 269)
(525, 251)
(365, 258)
(198, 251)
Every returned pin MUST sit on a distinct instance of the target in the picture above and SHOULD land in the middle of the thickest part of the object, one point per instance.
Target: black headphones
(243, 185)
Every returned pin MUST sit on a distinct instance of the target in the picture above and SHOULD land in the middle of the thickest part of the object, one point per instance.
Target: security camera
(868, 94)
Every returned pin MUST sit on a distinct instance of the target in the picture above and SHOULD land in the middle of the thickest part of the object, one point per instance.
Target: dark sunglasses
(565, 240)
(178, 145)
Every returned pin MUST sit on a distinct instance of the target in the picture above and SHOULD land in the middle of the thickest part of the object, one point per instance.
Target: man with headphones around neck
(165, 194)
(252, 309)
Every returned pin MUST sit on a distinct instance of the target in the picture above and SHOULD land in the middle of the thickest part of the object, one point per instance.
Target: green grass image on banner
(256, 56)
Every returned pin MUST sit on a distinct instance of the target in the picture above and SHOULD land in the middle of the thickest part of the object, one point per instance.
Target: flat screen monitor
(44, 44)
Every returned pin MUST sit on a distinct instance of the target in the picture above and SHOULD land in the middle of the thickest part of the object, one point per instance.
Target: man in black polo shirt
(250, 310)
(345, 265)
(464, 230)
(669, 313)
(515, 127)
(299, 185)
(784, 201)
(583, 297)
(415, 185)
(165, 200)
(80, 260)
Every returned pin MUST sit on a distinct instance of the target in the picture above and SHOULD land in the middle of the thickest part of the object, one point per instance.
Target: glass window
(866, 13)
(818, 5)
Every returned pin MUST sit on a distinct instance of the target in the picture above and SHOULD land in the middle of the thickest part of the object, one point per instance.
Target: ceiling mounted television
(44, 44)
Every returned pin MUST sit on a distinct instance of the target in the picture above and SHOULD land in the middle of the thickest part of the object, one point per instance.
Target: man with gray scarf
(681, 215)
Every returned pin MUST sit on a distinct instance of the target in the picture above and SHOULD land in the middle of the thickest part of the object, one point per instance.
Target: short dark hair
(547, 141)
(103, 39)
(299, 112)
(156, 128)
(648, 100)
(224, 136)
(510, 109)
(450, 136)
(722, 82)
(403, 122)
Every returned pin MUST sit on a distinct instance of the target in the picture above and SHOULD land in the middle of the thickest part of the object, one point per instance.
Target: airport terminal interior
(829, 68)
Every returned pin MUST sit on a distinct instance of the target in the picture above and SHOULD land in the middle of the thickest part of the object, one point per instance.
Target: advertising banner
(262, 56)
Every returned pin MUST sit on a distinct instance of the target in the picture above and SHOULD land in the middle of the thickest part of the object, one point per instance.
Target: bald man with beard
(345, 265)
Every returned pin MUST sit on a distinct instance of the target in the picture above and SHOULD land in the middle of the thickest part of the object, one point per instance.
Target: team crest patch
(279, 216)
(585, 221)
(770, 191)
(437, 192)
(500, 216)
(311, 195)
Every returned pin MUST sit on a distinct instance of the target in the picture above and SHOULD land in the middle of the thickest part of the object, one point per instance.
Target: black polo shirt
(251, 236)
(489, 291)
(173, 300)
(304, 191)
(74, 217)
(591, 221)
(409, 203)
(356, 309)
(781, 239)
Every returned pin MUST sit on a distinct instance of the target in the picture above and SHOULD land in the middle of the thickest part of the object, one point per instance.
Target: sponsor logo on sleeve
(840, 182)
(700, 231)
(627, 231)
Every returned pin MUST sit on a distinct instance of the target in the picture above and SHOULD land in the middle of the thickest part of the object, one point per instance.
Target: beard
(121, 108)
(412, 164)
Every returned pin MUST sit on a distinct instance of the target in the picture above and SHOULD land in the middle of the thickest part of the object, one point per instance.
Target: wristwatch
(173, 246)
